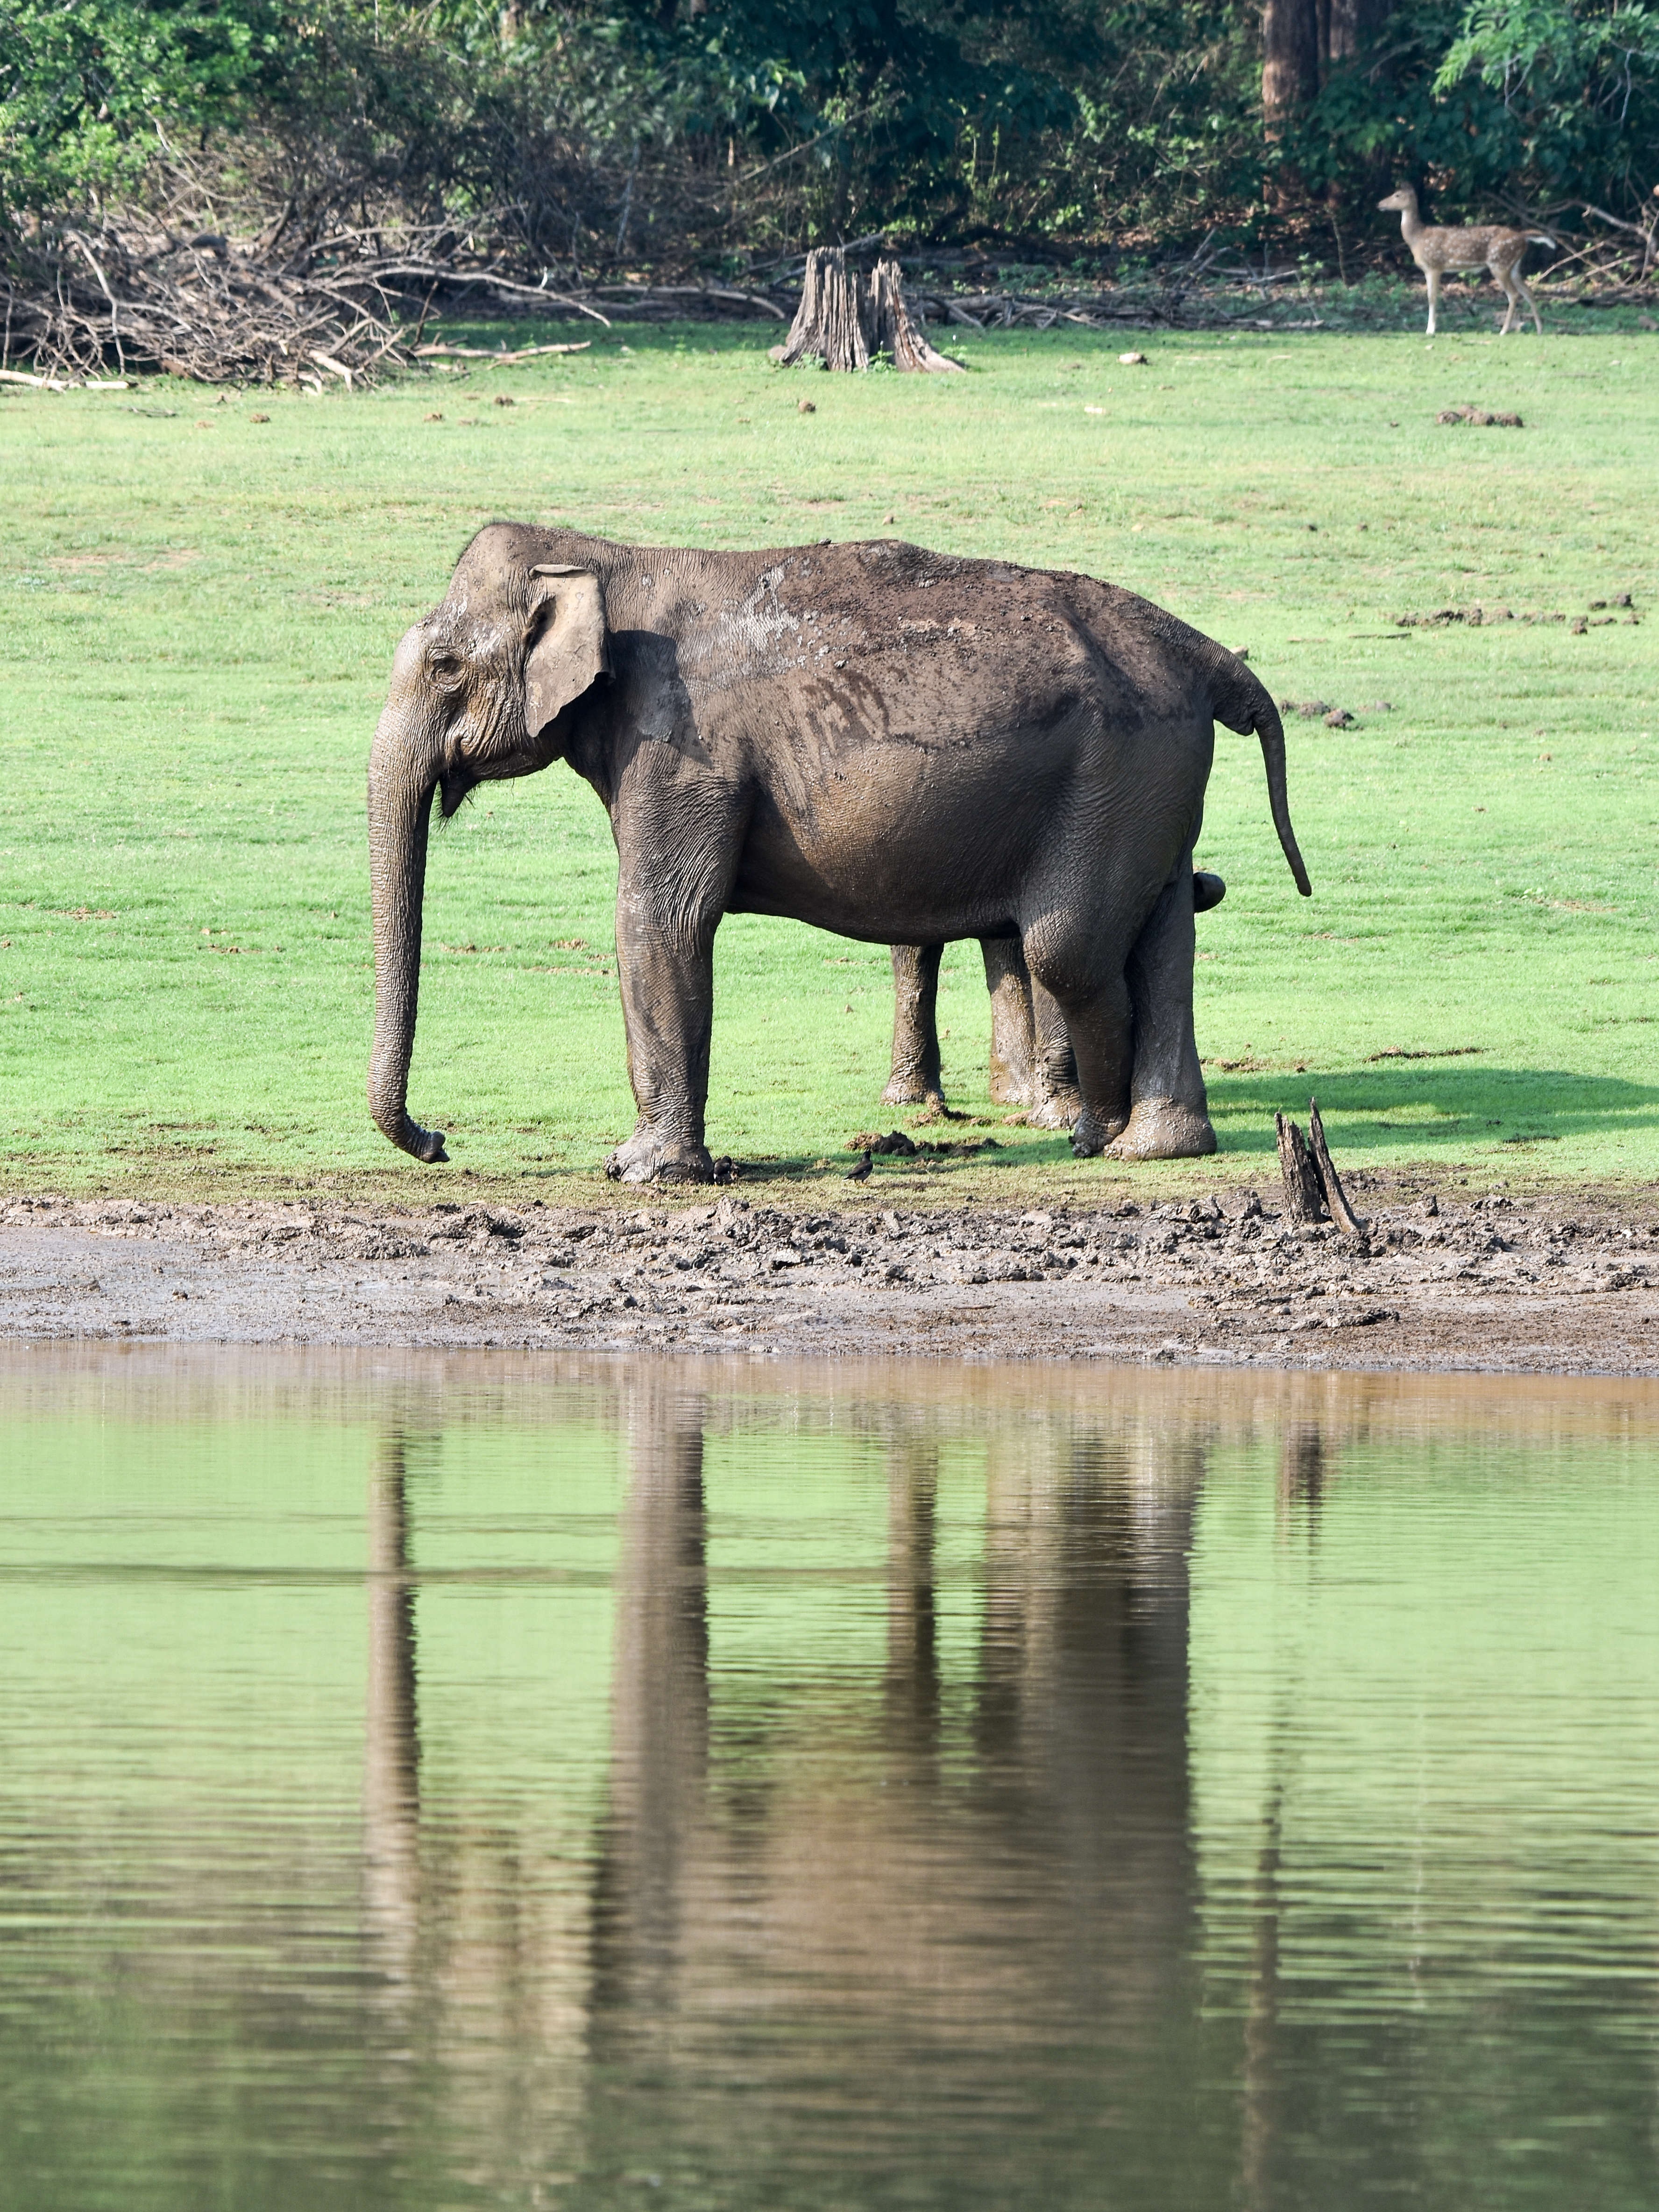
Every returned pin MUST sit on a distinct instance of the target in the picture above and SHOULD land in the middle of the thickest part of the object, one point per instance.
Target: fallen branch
(425, 271)
(498, 360)
(62, 384)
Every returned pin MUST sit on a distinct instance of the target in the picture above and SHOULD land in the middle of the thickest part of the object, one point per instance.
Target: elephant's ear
(569, 647)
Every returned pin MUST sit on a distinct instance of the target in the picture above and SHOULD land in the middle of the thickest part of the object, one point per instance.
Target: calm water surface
(505, 1781)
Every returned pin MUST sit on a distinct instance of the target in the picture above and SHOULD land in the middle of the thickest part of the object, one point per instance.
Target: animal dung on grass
(1481, 418)
(1132, 359)
(871, 1140)
(805, 407)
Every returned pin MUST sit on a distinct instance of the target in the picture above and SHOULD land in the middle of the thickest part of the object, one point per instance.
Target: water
(490, 1781)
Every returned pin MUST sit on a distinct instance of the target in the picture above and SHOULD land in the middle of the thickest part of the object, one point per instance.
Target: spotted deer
(1485, 246)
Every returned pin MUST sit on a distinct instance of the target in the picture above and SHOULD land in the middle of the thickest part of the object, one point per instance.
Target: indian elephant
(893, 744)
(1032, 1064)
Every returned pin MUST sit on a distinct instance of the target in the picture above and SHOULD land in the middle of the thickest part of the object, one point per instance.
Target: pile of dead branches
(86, 302)
(221, 310)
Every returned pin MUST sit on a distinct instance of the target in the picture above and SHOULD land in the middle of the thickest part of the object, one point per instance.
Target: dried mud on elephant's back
(1562, 1285)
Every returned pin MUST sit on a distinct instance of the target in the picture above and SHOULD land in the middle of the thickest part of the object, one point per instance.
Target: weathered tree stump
(844, 318)
(1311, 1183)
(828, 322)
(1335, 1197)
(889, 330)
(1304, 1201)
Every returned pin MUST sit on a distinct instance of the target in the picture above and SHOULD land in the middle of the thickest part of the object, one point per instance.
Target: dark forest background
(610, 134)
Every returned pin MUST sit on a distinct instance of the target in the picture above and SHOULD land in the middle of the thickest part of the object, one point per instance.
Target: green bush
(698, 127)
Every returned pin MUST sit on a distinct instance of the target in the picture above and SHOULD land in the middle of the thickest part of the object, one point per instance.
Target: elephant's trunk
(400, 793)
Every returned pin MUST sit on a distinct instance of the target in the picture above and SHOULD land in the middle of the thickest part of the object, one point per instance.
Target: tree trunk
(844, 318)
(1353, 24)
(1290, 59)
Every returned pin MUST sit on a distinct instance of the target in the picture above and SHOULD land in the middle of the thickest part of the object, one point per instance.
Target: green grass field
(203, 608)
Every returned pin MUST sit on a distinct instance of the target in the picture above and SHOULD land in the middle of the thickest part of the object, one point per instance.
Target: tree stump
(844, 318)
(1304, 1200)
(828, 322)
(889, 326)
(1311, 1183)
(1335, 1197)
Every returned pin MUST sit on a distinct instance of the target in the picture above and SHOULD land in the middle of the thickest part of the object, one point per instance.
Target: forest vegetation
(582, 137)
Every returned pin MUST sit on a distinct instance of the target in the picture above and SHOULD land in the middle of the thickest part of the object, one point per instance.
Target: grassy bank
(204, 605)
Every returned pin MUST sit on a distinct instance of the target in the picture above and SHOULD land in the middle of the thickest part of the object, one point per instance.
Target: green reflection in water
(497, 1781)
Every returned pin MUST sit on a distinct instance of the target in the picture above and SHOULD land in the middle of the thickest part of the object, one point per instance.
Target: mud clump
(1480, 419)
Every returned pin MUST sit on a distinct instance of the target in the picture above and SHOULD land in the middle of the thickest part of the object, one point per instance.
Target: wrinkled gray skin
(886, 743)
(1032, 1064)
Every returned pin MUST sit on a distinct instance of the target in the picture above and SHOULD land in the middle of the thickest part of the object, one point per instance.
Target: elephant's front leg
(667, 977)
(1169, 1109)
(915, 1077)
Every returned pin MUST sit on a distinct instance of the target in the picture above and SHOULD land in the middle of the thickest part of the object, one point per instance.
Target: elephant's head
(480, 690)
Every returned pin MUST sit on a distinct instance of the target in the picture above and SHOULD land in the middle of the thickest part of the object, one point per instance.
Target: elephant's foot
(1059, 1109)
(1164, 1129)
(1092, 1133)
(648, 1157)
(913, 1090)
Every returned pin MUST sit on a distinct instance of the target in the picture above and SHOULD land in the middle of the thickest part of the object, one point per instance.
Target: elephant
(1032, 1064)
(893, 744)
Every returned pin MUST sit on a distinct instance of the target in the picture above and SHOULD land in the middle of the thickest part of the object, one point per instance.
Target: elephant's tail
(1240, 700)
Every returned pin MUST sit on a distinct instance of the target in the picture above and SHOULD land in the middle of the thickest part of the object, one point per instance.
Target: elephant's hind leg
(1056, 1099)
(915, 1079)
(1169, 1113)
(1081, 1004)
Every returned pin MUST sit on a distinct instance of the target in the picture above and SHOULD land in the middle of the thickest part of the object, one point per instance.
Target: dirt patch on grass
(1495, 1283)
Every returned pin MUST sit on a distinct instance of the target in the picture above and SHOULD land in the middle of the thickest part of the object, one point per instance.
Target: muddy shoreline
(1547, 1284)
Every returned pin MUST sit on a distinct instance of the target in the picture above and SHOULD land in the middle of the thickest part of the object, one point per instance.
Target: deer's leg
(1433, 275)
(1506, 277)
(1531, 305)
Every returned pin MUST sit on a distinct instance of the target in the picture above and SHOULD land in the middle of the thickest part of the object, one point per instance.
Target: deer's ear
(567, 645)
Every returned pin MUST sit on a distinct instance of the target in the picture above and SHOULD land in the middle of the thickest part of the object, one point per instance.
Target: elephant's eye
(445, 668)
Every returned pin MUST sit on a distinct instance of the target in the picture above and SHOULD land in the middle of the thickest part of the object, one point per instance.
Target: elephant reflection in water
(391, 1746)
(861, 1882)
(846, 1887)
(475, 1962)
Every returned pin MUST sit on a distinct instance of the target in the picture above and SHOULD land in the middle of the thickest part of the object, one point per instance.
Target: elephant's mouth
(455, 786)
